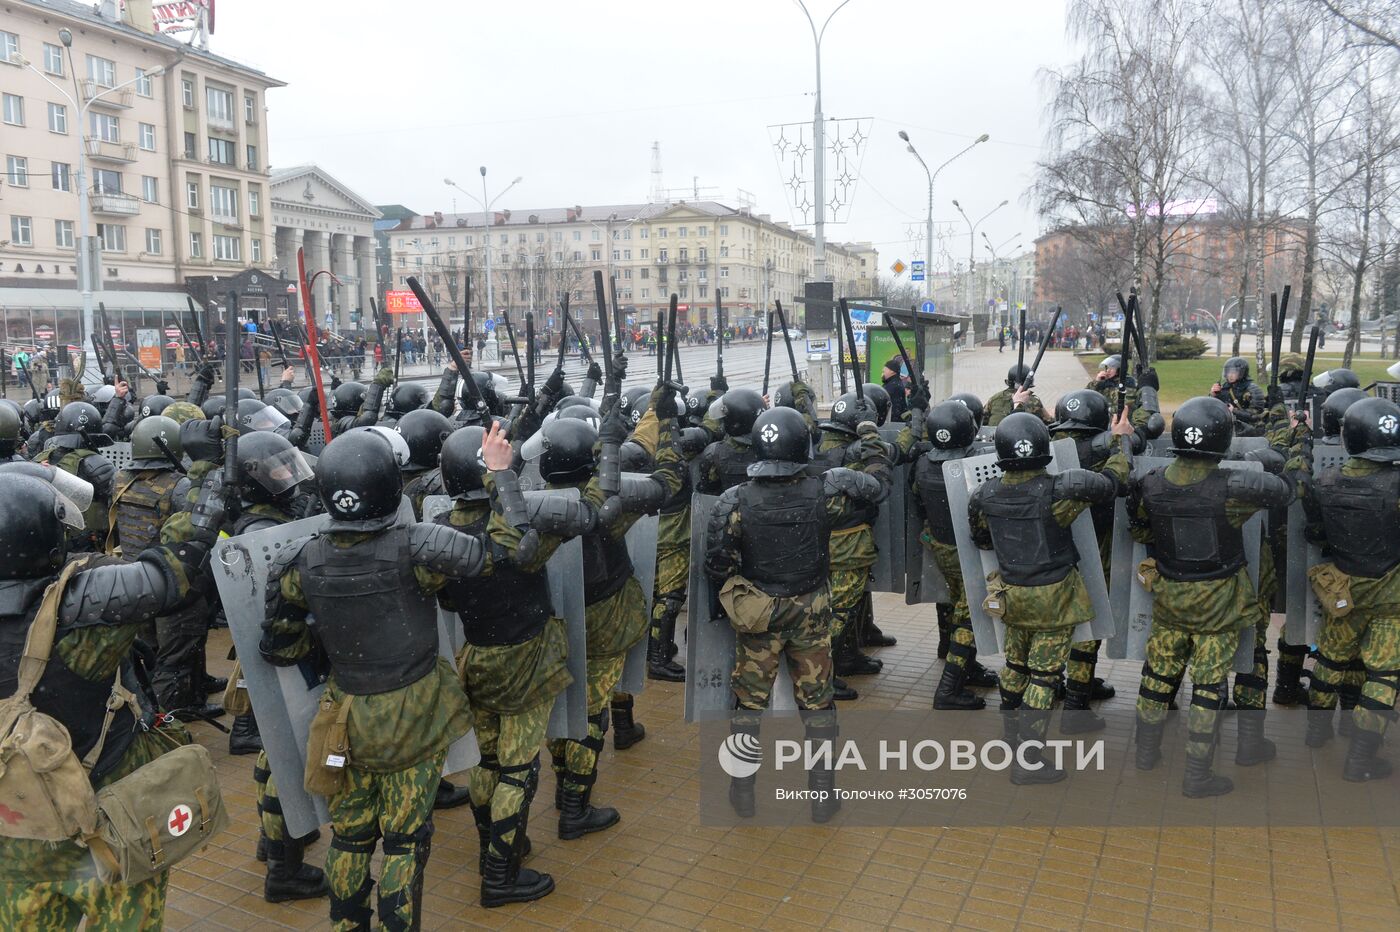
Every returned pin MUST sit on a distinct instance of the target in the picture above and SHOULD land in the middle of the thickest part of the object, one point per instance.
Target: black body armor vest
(510, 607)
(606, 566)
(1031, 546)
(1193, 537)
(786, 535)
(933, 492)
(1359, 515)
(731, 462)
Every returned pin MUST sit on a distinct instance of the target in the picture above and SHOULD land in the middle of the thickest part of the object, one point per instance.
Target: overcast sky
(571, 95)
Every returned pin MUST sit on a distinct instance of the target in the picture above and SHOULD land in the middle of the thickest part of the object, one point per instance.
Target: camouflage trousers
(60, 905)
(1083, 658)
(395, 806)
(576, 762)
(847, 591)
(800, 630)
(962, 646)
(510, 753)
(672, 579)
(1251, 688)
(274, 827)
(1170, 652)
(1371, 637)
(1035, 658)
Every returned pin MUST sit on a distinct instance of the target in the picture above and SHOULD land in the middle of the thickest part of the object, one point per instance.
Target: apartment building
(694, 249)
(170, 141)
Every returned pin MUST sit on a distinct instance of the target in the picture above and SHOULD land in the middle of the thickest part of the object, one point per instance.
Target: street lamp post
(972, 243)
(486, 204)
(996, 258)
(819, 150)
(84, 245)
(933, 176)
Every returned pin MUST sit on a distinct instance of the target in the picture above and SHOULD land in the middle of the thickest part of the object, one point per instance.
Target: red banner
(401, 302)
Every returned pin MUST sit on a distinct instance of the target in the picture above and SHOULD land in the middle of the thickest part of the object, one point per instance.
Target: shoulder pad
(724, 506)
(559, 515)
(1257, 487)
(446, 550)
(1083, 485)
(693, 441)
(849, 482)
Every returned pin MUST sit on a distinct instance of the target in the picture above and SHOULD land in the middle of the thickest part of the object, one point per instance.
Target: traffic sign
(928, 307)
(917, 271)
(490, 325)
(898, 267)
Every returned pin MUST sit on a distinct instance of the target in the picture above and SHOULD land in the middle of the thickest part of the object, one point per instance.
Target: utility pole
(932, 176)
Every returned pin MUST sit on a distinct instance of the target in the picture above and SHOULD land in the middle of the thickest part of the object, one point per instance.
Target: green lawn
(1186, 378)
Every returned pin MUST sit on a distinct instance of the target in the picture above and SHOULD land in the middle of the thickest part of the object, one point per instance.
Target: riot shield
(1303, 615)
(887, 575)
(641, 547)
(962, 478)
(285, 698)
(569, 716)
(1129, 641)
(118, 453)
(924, 581)
(709, 642)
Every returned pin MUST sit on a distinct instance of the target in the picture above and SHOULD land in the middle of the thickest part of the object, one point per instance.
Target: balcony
(220, 123)
(100, 96)
(227, 220)
(107, 202)
(662, 260)
(103, 151)
(683, 261)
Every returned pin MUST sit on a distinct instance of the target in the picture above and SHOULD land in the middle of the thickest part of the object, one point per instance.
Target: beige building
(652, 250)
(175, 161)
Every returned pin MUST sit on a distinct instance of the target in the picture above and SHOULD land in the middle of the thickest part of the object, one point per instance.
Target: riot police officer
(1246, 399)
(424, 431)
(725, 462)
(77, 438)
(1018, 395)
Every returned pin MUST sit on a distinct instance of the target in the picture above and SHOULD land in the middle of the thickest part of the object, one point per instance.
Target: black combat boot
(1099, 690)
(1149, 744)
(482, 816)
(1078, 718)
(1362, 764)
(849, 661)
(1198, 782)
(945, 629)
(660, 666)
(244, 737)
(869, 633)
(288, 877)
(626, 732)
(1251, 746)
(822, 781)
(504, 881)
(842, 692)
(741, 795)
(978, 676)
(201, 712)
(213, 684)
(1010, 716)
(1288, 687)
(306, 842)
(1036, 770)
(450, 796)
(951, 696)
(1319, 726)
(580, 817)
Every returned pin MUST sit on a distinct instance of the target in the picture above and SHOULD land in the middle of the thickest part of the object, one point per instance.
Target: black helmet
(1238, 365)
(581, 412)
(634, 402)
(566, 390)
(155, 404)
(847, 413)
(146, 439)
(1371, 430)
(739, 411)
(406, 397)
(949, 425)
(1018, 375)
(881, 398)
(101, 397)
(358, 477)
(270, 467)
(1022, 441)
(248, 409)
(567, 445)
(247, 393)
(1335, 408)
(424, 430)
(79, 424)
(634, 457)
(33, 411)
(1085, 409)
(781, 442)
(1335, 380)
(463, 468)
(1203, 427)
(573, 401)
(32, 539)
(694, 408)
(487, 386)
(347, 399)
(213, 406)
(9, 430)
(287, 402)
(972, 403)
(1114, 362)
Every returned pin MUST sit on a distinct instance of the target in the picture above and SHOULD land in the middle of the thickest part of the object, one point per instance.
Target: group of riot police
(789, 547)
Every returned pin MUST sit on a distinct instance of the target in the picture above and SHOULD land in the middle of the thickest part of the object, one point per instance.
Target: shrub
(1176, 346)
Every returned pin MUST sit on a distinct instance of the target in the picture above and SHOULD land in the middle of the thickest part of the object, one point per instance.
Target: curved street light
(933, 176)
(485, 203)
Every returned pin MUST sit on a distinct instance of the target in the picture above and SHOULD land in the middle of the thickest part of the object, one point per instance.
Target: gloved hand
(162, 387)
(206, 373)
(335, 382)
(385, 377)
(719, 383)
(867, 430)
(595, 373)
(614, 428)
(1148, 379)
(207, 516)
(663, 402)
(554, 384)
(919, 397)
(619, 366)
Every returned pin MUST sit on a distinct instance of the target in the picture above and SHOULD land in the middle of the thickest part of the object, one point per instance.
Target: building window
(646, 273)
(105, 181)
(596, 255)
(17, 170)
(685, 291)
(521, 239)
(724, 271)
(254, 203)
(113, 237)
(150, 189)
(617, 255)
(596, 236)
(252, 153)
(22, 231)
(578, 235)
(724, 292)
(148, 136)
(645, 254)
(702, 291)
(724, 252)
(220, 151)
(196, 245)
(704, 255)
(192, 195)
(228, 249)
(702, 231)
(223, 205)
(219, 104)
(661, 232)
(153, 243)
(102, 71)
(53, 60)
(143, 83)
(58, 119)
(645, 233)
(505, 239)
(578, 256)
(256, 246)
(685, 254)
(661, 255)
(14, 109)
(187, 93)
(627, 254)
(63, 233)
(724, 229)
(191, 146)
(627, 273)
(681, 232)
(646, 292)
(62, 175)
(105, 127)
(250, 109)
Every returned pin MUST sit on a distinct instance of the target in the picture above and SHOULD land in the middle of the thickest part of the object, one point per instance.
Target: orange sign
(148, 348)
(401, 302)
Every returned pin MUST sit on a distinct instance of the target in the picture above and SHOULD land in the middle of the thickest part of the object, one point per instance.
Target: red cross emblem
(180, 818)
(10, 816)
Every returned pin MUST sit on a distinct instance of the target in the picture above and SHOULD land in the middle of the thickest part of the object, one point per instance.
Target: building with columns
(335, 226)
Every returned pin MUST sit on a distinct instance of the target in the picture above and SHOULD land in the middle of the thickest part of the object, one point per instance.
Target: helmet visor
(280, 471)
(268, 418)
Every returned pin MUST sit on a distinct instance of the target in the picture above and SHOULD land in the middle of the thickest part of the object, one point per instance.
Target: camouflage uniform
(1001, 404)
(1247, 400)
(852, 551)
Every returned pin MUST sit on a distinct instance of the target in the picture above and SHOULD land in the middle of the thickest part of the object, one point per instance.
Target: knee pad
(359, 843)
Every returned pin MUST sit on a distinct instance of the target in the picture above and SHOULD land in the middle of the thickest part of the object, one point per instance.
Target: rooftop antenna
(658, 190)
